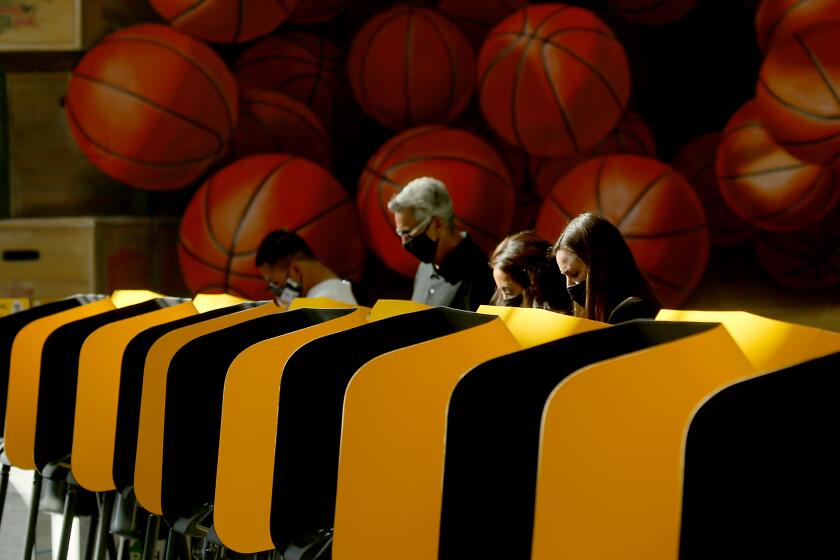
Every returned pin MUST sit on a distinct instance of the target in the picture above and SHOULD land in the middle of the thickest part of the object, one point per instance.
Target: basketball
(764, 184)
(225, 21)
(232, 212)
(696, 162)
(806, 259)
(553, 80)
(653, 12)
(630, 136)
(316, 11)
(271, 122)
(152, 107)
(780, 19)
(301, 65)
(797, 94)
(652, 205)
(477, 17)
(410, 66)
(474, 174)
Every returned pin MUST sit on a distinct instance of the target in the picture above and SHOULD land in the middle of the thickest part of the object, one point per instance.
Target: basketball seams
(363, 63)
(567, 121)
(595, 71)
(645, 190)
(265, 181)
(397, 142)
(208, 222)
(316, 81)
(559, 207)
(208, 74)
(596, 30)
(763, 172)
(259, 124)
(820, 70)
(806, 255)
(424, 158)
(313, 127)
(453, 67)
(476, 229)
(407, 51)
(240, 15)
(771, 30)
(794, 108)
(196, 257)
(666, 283)
(131, 160)
(185, 12)
(324, 213)
(666, 234)
(598, 203)
(216, 134)
(827, 192)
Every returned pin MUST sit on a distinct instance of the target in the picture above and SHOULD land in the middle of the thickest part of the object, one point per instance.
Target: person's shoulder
(631, 308)
(334, 288)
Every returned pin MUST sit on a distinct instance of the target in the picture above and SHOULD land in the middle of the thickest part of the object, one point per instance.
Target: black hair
(281, 245)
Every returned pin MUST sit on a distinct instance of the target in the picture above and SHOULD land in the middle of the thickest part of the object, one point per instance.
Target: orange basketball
(410, 66)
(315, 11)
(553, 79)
(271, 122)
(807, 259)
(301, 65)
(696, 162)
(780, 19)
(630, 136)
(656, 210)
(477, 17)
(797, 93)
(152, 107)
(225, 21)
(475, 175)
(653, 12)
(232, 212)
(764, 184)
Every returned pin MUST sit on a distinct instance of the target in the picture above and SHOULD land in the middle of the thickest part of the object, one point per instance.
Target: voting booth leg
(152, 529)
(4, 486)
(37, 481)
(67, 523)
(106, 511)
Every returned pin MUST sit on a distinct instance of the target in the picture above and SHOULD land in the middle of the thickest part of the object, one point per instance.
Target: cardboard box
(51, 258)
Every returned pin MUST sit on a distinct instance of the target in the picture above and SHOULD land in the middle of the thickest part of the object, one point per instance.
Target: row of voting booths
(417, 433)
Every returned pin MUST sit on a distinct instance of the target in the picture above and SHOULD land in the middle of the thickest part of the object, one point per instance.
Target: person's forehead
(405, 218)
(566, 259)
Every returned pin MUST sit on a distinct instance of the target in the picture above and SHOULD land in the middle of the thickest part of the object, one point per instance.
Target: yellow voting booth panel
(208, 302)
(244, 475)
(532, 327)
(97, 394)
(609, 481)
(393, 438)
(25, 372)
(385, 308)
(149, 460)
(767, 343)
(318, 303)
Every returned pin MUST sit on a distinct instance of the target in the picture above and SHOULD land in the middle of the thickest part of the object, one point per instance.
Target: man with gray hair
(453, 270)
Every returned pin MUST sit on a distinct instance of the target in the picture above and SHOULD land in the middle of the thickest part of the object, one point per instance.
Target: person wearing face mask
(290, 269)
(602, 277)
(453, 269)
(526, 275)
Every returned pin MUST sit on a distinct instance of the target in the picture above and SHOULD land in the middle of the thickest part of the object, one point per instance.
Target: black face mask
(514, 301)
(422, 247)
(578, 293)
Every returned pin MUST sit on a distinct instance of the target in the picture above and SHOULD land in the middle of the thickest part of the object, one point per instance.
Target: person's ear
(435, 228)
(295, 271)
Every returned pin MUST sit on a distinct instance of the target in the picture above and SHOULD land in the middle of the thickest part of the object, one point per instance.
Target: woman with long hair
(525, 274)
(602, 277)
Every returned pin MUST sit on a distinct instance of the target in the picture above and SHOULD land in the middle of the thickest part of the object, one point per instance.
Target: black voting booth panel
(193, 412)
(493, 435)
(12, 324)
(131, 388)
(310, 412)
(761, 468)
(59, 376)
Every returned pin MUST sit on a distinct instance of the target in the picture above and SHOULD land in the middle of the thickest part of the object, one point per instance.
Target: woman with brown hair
(602, 277)
(525, 274)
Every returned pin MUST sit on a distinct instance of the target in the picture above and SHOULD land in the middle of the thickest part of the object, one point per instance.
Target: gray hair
(427, 197)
